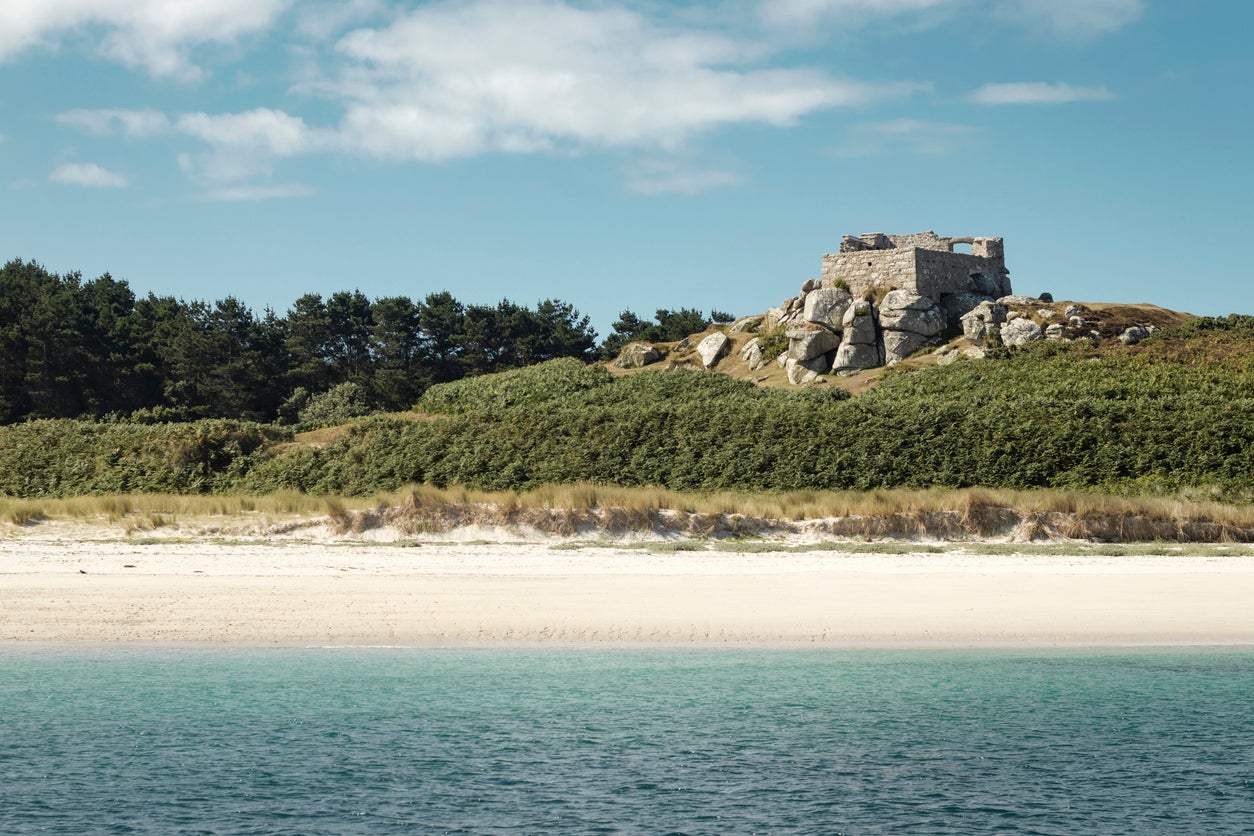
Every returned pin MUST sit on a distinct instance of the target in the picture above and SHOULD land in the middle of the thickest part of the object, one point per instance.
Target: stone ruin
(883, 297)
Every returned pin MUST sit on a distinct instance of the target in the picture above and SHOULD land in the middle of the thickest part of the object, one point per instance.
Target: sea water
(626, 741)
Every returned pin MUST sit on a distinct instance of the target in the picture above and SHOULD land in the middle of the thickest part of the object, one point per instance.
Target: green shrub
(773, 342)
(532, 385)
(337, 405)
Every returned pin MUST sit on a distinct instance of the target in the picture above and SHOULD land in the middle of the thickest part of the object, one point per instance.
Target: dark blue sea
(626, 741)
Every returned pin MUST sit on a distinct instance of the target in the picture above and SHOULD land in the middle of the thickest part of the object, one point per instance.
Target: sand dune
(59, 590)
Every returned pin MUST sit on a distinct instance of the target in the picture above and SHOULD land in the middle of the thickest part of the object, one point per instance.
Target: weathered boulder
(751, 353)
(902, 310)
(858, 324)
(1072, 310)
(1055, 332)
(956, 304)
(1136, 333)
(1020, 332)
(682, 346)
(1076, 321)
(806, 371)
(977, 321)
(808, 340)
(827, 306)
(1018, 300)
(855, 356)
(637, 355)
(773, 317)
(898, 345)
(746, 324)
(712, 348)
(809, 285)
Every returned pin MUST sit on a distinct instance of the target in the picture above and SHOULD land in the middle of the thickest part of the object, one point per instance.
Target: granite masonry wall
(923, 263)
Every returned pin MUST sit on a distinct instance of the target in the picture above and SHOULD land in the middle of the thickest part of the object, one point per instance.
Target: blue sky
(622, 154)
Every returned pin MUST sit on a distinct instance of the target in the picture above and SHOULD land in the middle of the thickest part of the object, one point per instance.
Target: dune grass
(575, 509)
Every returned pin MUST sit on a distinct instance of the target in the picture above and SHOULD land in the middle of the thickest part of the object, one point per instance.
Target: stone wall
(922, 262)
(945, 272)
(861, 271)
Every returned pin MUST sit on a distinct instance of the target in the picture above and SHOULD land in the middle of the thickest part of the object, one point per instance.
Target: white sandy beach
(308, 593)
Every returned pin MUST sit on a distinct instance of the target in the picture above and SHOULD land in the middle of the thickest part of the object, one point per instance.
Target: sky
(625, 154)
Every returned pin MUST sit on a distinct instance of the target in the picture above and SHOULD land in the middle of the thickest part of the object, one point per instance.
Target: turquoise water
(675, 741)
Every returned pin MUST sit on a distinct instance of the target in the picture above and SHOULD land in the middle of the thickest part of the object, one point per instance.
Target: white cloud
(670, 177)
(272, 131)
(1065, 18)
(322, 20)
(1037, 92)
(1074, 18)
(87, 174)
(241, 145)
(914, 136)
(106, 122)
(809, 12)
(459, 79)
(157, 35)
(257, 192)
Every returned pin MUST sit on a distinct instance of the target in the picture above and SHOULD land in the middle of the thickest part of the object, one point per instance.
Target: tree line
(71, 347)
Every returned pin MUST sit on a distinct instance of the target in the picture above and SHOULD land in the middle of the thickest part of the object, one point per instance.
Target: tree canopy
(73, 348)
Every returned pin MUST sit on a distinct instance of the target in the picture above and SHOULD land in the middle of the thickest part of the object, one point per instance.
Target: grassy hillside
(1172, 415)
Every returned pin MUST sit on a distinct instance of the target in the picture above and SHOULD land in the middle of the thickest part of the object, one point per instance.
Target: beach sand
(70, 589)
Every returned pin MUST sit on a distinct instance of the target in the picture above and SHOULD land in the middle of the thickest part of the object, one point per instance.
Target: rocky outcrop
(905, 311)
(1020, 331)
(977, 321)
(746, 324)
(956, 304)
(826, 306)
(712, 348)
(1133, 335)
(808, 340)
(860, 347)
(751, 353)
(909, 322)
(806, 371)
(637, 355)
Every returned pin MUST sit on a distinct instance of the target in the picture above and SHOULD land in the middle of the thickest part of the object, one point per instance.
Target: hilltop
(888, 299)
(1108, 321)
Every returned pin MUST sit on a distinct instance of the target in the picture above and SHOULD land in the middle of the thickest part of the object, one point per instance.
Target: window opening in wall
(962, 248)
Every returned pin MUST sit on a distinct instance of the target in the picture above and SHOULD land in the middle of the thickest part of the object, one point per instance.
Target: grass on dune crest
(169, 507)
(570, 509)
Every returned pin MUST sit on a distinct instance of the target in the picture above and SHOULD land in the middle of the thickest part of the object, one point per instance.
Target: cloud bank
(155, 35)
(87, 174)
(1036, 92)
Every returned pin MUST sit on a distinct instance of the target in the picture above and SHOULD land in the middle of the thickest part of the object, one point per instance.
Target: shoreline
(70, 592)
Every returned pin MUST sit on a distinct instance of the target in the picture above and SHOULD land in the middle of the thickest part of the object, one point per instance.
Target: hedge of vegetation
(71, 458)
(1174, 414)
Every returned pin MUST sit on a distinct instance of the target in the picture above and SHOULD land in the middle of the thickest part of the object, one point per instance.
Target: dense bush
(337, 405)
(530, 386)
(1172, 414)
(1154, 418)
(67, 458)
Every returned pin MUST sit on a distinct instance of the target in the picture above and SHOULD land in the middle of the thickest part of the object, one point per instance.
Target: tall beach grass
(581, 508)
